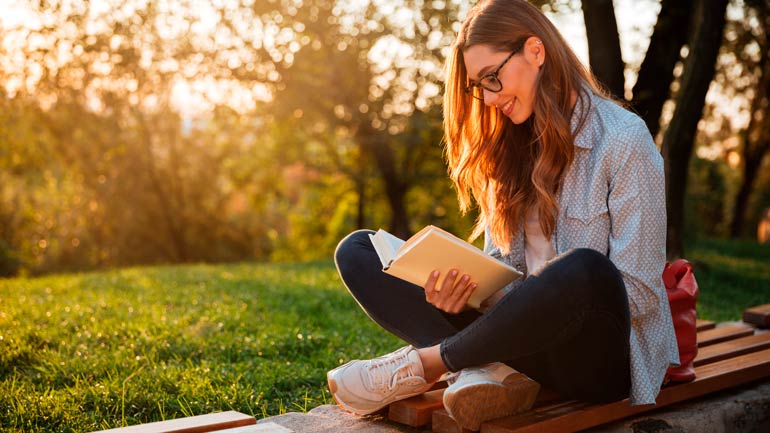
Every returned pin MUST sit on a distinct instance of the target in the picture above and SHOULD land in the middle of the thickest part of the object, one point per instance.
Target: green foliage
(100, 165)
(732, 275)
(708, 185)
(107, 161)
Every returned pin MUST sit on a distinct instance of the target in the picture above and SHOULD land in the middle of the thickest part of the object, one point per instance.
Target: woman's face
(518, 76)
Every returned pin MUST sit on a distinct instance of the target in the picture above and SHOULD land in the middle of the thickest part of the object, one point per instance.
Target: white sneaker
(364, 387)
(491, 391)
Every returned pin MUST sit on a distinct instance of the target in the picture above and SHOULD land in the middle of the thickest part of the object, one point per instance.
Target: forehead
(482, 59)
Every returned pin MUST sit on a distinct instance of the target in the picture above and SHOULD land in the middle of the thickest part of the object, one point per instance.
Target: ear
(534, 51)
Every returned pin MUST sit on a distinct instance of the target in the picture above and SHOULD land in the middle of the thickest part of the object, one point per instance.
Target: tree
(654, 80)
(372, 76)
(679, 138)
(656, 74)
(604, 45)
(753, 51)
(129, 179)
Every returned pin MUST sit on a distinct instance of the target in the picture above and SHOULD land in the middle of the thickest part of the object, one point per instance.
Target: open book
(434, 249)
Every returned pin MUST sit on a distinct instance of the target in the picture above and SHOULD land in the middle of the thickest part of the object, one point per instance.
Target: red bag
(682, 291)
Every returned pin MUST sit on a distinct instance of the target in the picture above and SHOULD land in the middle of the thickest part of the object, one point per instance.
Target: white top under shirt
(537, 249)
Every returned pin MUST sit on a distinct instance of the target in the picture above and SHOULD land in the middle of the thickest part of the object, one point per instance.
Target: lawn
(85, 352)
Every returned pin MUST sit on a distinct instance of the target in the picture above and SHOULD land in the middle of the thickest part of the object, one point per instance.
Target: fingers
(452, 294)
(462, 300)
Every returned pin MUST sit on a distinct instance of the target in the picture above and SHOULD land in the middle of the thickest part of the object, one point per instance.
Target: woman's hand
(452, 294)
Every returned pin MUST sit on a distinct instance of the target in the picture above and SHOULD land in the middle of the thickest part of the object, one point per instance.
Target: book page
(386, 246)
(436, 249)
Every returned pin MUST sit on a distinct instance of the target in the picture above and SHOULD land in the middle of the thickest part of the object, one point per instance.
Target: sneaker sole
(472, 405)
(333, 389)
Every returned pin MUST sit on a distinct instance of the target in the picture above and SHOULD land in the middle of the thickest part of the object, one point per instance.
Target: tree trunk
(395, 185)
(750, 171)
(657, 71)
(756, 144)
(756, 137)
(604, 45)
(678, 141)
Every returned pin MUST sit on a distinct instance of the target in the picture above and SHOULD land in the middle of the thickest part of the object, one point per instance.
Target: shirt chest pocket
(586, 224)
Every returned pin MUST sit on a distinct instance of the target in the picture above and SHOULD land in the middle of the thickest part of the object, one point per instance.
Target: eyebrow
(484, 71)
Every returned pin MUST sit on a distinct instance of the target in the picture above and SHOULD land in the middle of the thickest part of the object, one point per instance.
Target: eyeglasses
(491, 81)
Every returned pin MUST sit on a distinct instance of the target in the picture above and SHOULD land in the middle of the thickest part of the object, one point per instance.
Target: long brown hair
(508, 168)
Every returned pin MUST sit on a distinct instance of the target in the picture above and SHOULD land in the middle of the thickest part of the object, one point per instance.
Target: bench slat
(703, 325)
(758, 316)
(731, 348)
(443, 423)
(724, 333)
(194, 424)
(416, 411)
(574, 416)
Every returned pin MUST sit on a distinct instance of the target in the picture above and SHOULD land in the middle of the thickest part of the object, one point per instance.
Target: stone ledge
(744, 409)
(332, 419)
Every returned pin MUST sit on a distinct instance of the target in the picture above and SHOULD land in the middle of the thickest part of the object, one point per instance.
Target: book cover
(435, 249)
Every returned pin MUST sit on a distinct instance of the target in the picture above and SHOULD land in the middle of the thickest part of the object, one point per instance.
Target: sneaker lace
(453, 377)
(383, 374)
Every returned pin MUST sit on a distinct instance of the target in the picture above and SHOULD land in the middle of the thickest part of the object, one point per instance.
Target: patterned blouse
(613, 201)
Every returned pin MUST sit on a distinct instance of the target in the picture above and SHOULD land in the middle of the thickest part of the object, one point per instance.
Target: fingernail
(464, 278)
(454, 272)
(434, 274)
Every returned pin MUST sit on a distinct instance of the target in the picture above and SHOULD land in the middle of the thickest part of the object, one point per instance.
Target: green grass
(101, 350)
(731, 275)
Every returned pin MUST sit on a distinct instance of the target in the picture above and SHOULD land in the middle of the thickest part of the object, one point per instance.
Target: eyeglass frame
(469, 89)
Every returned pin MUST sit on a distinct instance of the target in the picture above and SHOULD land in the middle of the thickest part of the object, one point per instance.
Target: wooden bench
(222, 422)
(758, 316)
(728, 356)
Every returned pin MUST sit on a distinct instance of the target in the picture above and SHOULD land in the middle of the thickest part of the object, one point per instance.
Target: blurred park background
(142, 132)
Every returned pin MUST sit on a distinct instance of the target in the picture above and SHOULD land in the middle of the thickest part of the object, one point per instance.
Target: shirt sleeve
(637, 206)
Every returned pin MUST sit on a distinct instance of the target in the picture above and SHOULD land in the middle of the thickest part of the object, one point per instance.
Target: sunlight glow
(194, 93)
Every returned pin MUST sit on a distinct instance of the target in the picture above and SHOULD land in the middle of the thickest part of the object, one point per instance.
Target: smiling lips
(507, 108)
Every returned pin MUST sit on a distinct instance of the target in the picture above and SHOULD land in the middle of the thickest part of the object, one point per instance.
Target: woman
(570, 190)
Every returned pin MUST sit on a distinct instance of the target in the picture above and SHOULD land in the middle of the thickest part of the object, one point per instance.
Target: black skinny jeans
(567, 327)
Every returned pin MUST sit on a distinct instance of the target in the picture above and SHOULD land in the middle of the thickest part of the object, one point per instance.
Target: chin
(518, 118)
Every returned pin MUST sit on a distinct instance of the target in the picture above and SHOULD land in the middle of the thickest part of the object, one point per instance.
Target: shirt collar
(586, 105)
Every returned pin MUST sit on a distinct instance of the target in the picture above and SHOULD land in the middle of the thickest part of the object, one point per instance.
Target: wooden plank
(416, 411)
(267, 427)
(732, 348)
(546, 396)
(724, 333)
(573, 416)
(703, 325)
(194, 424)
(443, 423)
(758, 316)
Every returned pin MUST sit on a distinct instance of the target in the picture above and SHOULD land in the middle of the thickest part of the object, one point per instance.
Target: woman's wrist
(490, 301)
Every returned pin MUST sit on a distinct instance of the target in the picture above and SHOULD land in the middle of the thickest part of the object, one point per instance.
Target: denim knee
(348, 247)
(599, 268)
(588, 258)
